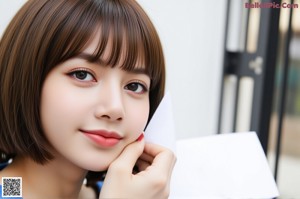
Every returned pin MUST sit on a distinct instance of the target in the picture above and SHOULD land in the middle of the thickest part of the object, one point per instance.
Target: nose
(110, 104)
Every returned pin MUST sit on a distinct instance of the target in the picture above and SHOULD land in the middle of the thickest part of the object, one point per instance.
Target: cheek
(139, 116)
(58, 108)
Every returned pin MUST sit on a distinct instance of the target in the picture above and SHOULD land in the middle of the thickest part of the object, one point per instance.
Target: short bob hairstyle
(45, 33)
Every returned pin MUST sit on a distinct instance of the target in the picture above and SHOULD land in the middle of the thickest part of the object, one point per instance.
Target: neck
(56, 179)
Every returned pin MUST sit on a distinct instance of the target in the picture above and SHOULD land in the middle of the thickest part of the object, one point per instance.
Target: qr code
(11, 187)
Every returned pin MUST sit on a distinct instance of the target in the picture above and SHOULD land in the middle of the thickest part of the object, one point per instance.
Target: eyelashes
(85, 75)
(137, 87)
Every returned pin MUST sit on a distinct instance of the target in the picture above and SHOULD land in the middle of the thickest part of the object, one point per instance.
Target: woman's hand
(155, 163)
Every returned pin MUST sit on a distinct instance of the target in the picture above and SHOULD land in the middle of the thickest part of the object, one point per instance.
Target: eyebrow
(93, 59)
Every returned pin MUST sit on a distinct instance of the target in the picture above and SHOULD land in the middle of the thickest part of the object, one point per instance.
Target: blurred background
(231, 68)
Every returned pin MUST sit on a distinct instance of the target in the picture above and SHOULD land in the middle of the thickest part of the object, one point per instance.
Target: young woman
(79, 80)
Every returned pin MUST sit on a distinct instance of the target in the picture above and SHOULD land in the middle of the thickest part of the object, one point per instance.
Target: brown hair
(45, 33)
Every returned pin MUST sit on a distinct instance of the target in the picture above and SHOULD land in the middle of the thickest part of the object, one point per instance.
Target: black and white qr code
(11, 187)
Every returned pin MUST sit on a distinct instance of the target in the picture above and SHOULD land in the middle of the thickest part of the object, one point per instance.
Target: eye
(136, 87)
(82, 74)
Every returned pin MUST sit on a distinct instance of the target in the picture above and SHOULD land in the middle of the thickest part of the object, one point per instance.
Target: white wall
(192, 33)
(7, 11)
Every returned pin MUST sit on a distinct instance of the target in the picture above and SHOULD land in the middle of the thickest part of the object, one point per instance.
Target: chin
(97, 163)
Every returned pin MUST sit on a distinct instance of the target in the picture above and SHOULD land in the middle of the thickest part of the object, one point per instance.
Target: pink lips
(102, 137)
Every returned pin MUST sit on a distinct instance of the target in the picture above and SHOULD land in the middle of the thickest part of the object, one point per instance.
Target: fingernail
(140, 137)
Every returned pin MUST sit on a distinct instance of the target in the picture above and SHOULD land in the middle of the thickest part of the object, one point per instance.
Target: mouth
(102, 137)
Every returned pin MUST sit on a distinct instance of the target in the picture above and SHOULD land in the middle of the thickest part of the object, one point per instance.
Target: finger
(164, 159)
(125, 162)
(153, 149)
(163, 163)
(142, 165)
(146, 157)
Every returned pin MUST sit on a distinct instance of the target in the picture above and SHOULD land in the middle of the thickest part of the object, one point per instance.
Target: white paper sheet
(161, 128)
(222, 166)
(213, 167)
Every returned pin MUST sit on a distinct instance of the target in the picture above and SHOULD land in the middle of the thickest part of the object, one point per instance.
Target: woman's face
(90, 112)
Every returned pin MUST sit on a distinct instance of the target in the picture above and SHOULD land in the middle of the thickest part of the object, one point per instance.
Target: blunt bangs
(124, 25)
